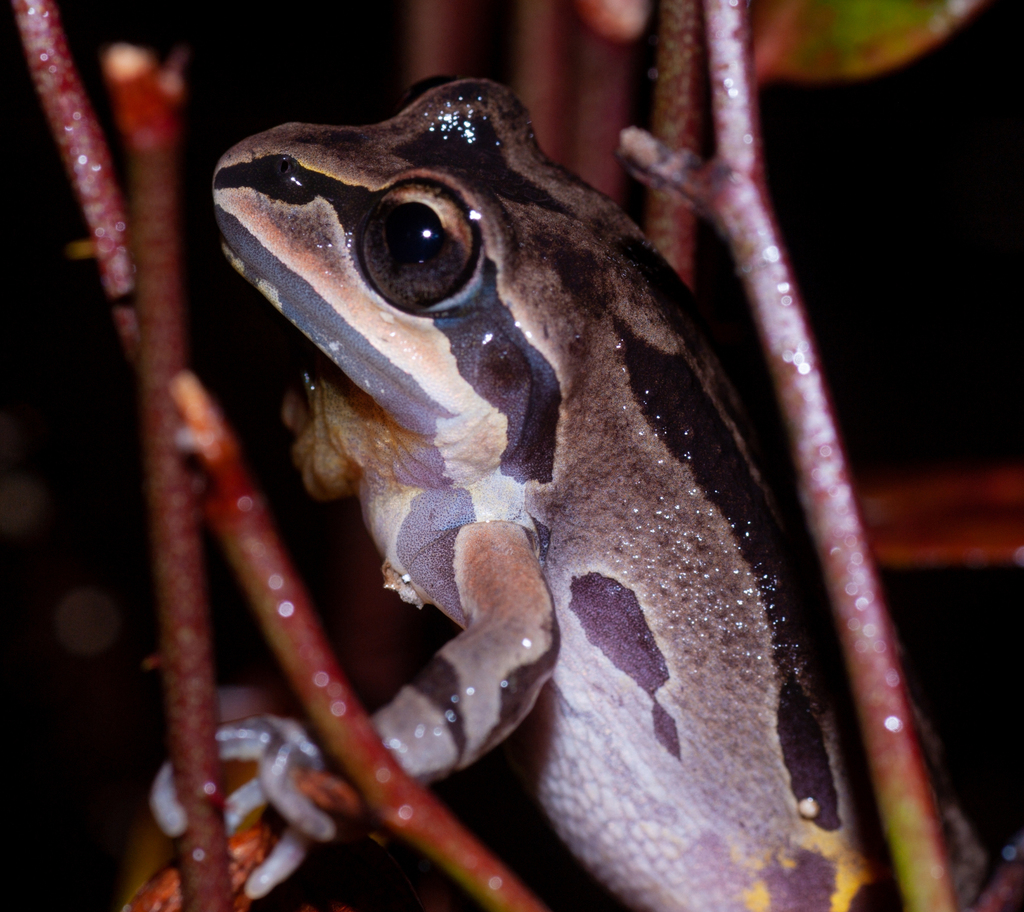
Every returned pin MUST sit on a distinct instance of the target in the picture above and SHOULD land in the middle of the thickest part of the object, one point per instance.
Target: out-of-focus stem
(444, 38)
(79, 139)
(603, 105)
(541, 44)
(237, 515)
(677, 120)
(147, 101)
(954, 515)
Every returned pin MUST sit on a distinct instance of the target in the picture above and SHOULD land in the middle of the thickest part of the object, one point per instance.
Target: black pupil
(414, 233)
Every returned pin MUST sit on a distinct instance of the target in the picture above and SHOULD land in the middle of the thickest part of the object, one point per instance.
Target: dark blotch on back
(614, 622)
(511, 375)
(803, 750)
(680, 412)
(808, 884)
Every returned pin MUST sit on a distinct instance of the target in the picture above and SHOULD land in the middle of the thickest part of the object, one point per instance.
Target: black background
(902, 201)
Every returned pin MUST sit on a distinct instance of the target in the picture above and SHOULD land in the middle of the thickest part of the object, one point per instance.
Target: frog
(545, 447)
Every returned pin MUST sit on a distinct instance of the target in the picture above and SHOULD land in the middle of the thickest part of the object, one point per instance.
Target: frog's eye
(419, 245)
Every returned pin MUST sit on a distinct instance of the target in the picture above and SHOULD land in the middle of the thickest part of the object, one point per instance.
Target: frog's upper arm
(482, 683)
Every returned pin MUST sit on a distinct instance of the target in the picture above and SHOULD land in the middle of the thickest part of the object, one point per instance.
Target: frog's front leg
(482, 683)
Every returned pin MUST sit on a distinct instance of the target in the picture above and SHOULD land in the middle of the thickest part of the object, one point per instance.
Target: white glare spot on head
(338, 708)
(405, 811)
(771, 254)
(494, 883)
(383, 774)
(782, 287)
(747, 139)
(82, 159)
(198, 854)
(527, 643)
(474, 216)
(892, 677)
(470, 691)
(321, 678)
(804, 368)
(487, 338)
(87, 621)
(209, 788)
(893, 723)
(286, 609)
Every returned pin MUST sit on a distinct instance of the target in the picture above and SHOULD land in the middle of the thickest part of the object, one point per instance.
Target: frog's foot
(279, 746)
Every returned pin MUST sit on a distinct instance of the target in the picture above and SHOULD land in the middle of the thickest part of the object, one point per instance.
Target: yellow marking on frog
(757, 898)
(853, 870)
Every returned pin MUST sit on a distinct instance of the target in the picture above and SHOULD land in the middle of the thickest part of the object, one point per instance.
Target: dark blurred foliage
(903, 203)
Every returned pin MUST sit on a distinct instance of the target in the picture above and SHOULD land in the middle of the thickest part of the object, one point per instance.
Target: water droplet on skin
(809, 808)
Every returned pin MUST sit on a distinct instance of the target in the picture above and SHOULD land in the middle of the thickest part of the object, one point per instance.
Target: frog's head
(447, 267)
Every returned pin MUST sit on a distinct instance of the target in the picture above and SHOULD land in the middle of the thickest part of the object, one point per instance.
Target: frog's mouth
(397, 391)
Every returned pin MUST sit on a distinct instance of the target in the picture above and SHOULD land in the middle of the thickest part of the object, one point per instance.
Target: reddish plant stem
(80, 141)
(237, 515)
(444, 38)
(677, 120)
(732, 191)
(603, 106)
(955, 515)
(541, 42)
(147, 102)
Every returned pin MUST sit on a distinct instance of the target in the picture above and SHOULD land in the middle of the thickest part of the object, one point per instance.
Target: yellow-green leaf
(822, 41)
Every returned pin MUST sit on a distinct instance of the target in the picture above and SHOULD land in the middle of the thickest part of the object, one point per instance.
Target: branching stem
(732, 191)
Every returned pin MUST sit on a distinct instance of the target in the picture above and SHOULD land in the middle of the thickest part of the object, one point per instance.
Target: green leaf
(827, 41)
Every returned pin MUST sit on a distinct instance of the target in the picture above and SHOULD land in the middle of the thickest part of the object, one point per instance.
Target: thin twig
(732, 190)
(237, 515)
(79, 139)
(147, 102)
